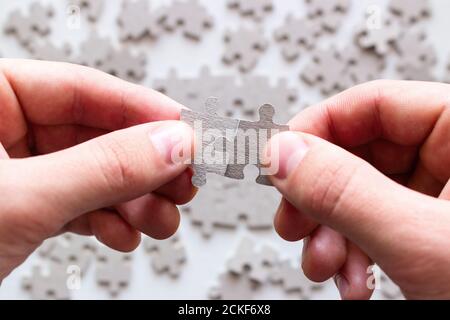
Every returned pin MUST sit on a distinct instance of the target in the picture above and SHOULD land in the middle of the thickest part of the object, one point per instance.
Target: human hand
(365, 177)
(89, 154)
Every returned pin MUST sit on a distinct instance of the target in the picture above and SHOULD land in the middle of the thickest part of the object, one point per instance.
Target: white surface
(205, 257)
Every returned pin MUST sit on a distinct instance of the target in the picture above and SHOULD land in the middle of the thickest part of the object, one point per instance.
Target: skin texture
(365, 178)
(85, 152)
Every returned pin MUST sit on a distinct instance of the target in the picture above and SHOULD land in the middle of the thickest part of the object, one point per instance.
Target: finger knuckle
(333, 186)
(115, 163)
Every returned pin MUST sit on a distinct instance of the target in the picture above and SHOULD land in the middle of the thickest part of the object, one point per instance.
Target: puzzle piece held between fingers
(208, 126)
(249, 144)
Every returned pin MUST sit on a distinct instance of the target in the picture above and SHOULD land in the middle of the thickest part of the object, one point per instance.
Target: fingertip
(290, 224)
(324, 255)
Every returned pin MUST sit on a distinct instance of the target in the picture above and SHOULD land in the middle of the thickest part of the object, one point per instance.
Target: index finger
(51, 93)
(403, 112)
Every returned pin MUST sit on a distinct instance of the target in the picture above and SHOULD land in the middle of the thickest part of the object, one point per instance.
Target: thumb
(111, 169)
(346, 193)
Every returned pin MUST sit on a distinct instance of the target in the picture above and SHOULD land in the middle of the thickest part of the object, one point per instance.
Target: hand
(83, 167)
(365, 177)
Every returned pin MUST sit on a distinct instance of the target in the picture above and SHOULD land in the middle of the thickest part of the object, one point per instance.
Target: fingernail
(172, 141)
(342, 285)
(287, 149)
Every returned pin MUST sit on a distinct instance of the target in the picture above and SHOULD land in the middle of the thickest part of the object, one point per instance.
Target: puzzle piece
(256, 91)
(208, 126)
(188, 16)
(47, 283)
(45, 50)
(250, 142)
(293, 280)
(381, 39)
(167, 255)
(256, 9)
(95, 50)
(257, 214)
(296, 36)
(69, 250)
(327, 71)
(211, 206)
(243, 48)
(389, 289)
(113, 270)
(414, 49)
(35, 24)
(362, 65)
(125, 65)
(91, 8)
(255, 262)
(237, 99)
(137, 21)
(232, 287)
(412, 11)
(328, 14)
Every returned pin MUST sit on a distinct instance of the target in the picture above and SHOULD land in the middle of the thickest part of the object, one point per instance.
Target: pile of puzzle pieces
(305, 39)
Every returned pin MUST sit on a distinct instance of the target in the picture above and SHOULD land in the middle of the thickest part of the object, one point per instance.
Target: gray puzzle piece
(255, 9)
(137, 20)
(243, 48)
(167, 255)
(293, 280)
(233, 287)
(327, 70)
(47, 283)
(250, 142)
(113, 270)
(28, 26)
(329, 14)
(190, 17)
(256, 262)
(91, 8)
(380, 40)
(208, 126)
(411, 11)
(296, 36)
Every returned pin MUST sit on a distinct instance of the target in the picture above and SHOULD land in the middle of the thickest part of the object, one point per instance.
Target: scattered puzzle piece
(28, 26)
(296, 36)
(381, 39)
(255, 262)
(232, 287)
(411, 11)
(190, 17)
(292, 279)
(256, 9)
(47, 284)
(91, 8)
(137, 20)
(167, 255)
(113, 270)
(327, 71)
(243, 48)
(328, 14)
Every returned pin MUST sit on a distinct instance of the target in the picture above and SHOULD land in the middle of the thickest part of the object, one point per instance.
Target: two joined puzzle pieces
(225, 146)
